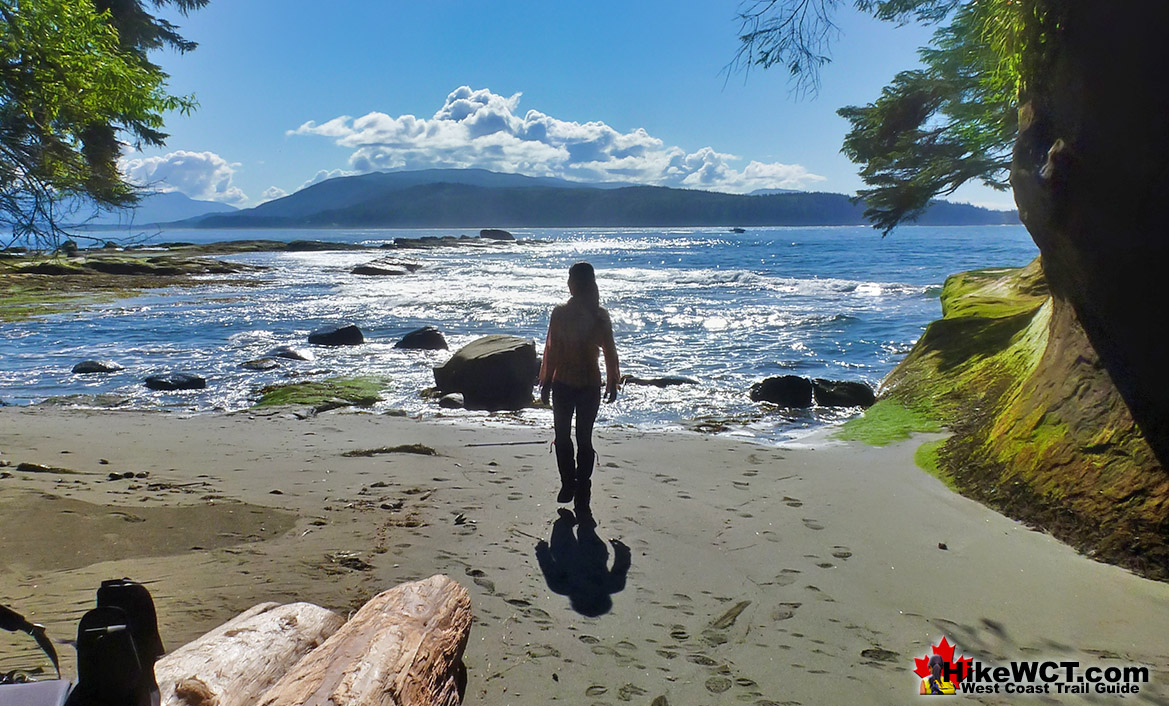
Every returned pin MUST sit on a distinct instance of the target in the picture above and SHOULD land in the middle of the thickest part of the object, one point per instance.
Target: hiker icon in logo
(935, 683)
(940, 673)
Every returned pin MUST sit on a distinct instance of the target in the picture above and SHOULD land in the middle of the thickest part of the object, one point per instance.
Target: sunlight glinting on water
(724, 311)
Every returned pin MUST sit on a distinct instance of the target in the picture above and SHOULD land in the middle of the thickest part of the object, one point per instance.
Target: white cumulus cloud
(324, 175)
(201, 175)
(481, 129)
(272, 193)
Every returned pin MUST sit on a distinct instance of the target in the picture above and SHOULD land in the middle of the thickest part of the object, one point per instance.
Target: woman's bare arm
(609, 348)
(548, 363)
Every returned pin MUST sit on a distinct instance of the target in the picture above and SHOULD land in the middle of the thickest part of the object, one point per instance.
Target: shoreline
(833, 546)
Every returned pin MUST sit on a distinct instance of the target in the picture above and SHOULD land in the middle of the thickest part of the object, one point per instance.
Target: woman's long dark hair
(583, 282)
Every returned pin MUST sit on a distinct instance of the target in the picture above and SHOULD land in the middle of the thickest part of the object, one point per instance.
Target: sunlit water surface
(724, 309)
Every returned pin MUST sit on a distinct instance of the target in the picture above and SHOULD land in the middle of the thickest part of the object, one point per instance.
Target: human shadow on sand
(576, 565)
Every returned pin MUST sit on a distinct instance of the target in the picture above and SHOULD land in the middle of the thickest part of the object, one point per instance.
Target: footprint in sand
(628, 691)
(769, 536)
(784, 611)
(717, 685)
(679, 633)
(589, 640)
(702, 659)
(826, 565)
(596, 690)
(786, 577)
(812, 524)
(841, 552)
(879, 654)
(792, 502)
(486, 584)
(742, 484)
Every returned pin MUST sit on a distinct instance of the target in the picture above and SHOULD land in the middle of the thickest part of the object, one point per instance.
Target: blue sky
(291, 92)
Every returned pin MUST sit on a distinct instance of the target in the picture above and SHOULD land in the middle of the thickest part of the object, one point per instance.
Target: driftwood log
(403, 648)
(235, 663)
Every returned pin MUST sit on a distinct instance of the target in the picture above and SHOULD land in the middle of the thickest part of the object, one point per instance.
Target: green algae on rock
(1040, 431)
(330, 393)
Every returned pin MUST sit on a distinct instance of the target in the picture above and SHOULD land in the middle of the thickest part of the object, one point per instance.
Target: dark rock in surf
(493, 372)
(784, 390)
(495, 234)
(427, 338)
(290, 353)
(846, 393)
(667, 381)
(176, 381)
(453, 400)
(260, 364)
(86, 367)
(387, 267)
(337, 335)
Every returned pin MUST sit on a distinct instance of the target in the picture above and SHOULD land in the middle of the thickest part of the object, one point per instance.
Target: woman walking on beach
(577, 331)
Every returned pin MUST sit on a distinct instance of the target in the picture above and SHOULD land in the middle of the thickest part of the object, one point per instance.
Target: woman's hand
(611, 392)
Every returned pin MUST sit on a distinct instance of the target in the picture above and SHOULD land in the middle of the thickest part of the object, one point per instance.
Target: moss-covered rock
(1039, 429)
(357, 391)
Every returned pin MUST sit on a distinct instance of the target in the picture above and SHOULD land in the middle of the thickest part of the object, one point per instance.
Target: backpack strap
(12, 621)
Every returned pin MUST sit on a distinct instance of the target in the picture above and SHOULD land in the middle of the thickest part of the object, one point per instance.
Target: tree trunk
(404, 647)
(1091, 173)
(235, 663)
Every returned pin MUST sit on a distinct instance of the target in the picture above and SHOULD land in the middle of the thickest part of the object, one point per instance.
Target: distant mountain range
(151, 211)
(474, 198)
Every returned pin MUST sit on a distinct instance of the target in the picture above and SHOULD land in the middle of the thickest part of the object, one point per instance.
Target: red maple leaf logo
(945, 650)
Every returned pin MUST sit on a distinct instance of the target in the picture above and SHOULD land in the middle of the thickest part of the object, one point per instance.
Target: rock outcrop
(386, 267)
(1089, 176)
(1039, 429)
(494, 372)
(496, 234)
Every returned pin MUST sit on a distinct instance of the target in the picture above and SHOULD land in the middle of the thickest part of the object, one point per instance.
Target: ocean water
(724, 309)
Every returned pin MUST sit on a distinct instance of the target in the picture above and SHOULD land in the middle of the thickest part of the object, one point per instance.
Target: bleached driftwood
(236, 662)
(403, 648)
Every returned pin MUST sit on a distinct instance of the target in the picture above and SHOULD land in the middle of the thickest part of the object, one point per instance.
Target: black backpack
(117, 646)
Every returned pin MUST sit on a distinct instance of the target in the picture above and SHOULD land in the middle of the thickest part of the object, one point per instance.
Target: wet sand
(717, 571)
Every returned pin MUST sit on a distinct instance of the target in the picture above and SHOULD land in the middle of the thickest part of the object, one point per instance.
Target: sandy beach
(718, 571)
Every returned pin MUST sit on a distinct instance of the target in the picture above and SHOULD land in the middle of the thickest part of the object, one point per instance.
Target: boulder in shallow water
(290, 353)
(337, 335)
(454, 400)
(667, 381)
(86, 367)
(176, 381)
(427, 338)
(783, 390)
(260, 364)
(493, 372)
(495, 234)
(842, 393)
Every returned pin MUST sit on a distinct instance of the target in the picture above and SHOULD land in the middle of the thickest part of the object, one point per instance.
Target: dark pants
(584, 402)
